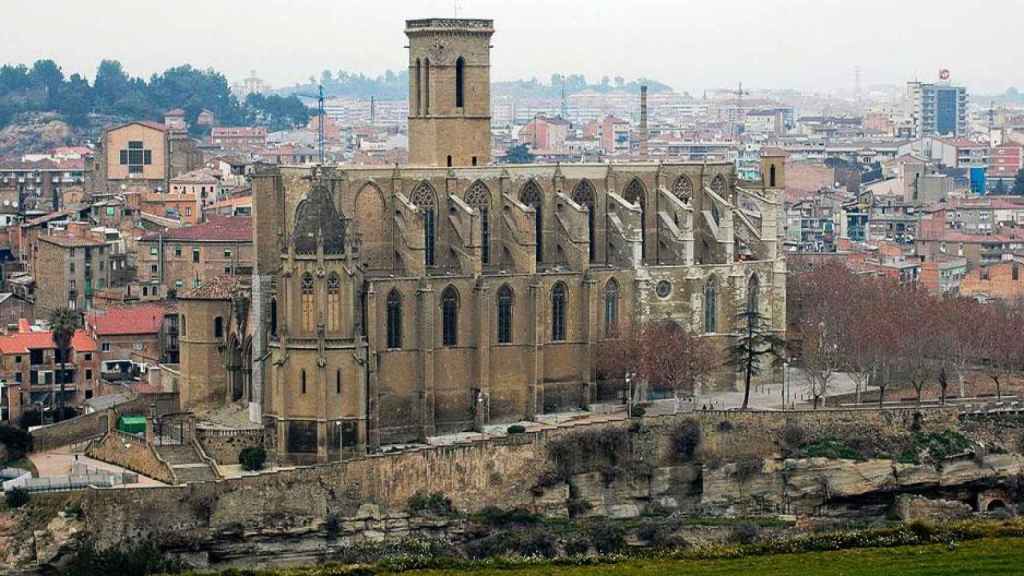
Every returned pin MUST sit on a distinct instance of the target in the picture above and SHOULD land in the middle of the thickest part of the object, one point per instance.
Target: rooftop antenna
(455, 7)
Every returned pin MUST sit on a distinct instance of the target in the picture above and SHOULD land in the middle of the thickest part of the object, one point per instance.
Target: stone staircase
(186, 463)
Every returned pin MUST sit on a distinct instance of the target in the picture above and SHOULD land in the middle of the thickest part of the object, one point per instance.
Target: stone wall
(131, 452)
(92, 426)
(224, 446)
(506, 472)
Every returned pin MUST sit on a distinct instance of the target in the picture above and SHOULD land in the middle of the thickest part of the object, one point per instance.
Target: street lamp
(629, 394)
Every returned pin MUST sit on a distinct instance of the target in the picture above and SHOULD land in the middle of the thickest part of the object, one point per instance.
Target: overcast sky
(691, 45)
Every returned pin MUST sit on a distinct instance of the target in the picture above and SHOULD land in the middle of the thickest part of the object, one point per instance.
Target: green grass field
(977, 557)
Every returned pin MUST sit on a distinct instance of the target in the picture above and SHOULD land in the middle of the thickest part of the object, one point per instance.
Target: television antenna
(455, 7)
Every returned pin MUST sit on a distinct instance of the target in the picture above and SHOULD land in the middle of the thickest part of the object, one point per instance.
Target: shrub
(537, 542)
(130, 560)
(437, 503)
(578, 507)
(660, 534)
(516, 429)
(687, 439)
(922, 530)
(252, 458)
(30, 418)
(830, 448)
(17, 441)
(793, 436)
(638, 411)
(607, 538)
(748, 467)
(576, 546)
(494, 516)
(332, 526)
(744, 533)
(17, 497)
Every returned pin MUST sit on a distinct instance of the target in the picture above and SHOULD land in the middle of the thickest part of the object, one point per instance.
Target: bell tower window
(460, 81)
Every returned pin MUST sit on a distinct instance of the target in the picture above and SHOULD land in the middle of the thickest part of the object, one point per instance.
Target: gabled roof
(215, 229)
(26, 339)
(217, 288)
(144, 319)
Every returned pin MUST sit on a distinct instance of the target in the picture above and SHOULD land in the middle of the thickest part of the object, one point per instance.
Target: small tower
(449, 91)
(773, 168)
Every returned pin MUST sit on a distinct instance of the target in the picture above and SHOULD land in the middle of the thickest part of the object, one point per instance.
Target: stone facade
(449, 92)
(399, 303)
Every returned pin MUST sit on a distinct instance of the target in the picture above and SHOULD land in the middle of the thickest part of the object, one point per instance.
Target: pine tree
(757, 341)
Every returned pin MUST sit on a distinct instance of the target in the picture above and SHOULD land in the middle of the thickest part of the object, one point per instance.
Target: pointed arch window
(753, 297)
(611, 309)
(460, 81)
(682, 188)
(423, 197)
(394, 318)
(711, 306)
(771, 176)
(333, 302)
(558, 305)
(479, 196)
(532, 195)
(505, 298)
(636, 194)
(426, 86)
(449, 317)
(583, 195)
(303, 379)
(308, 303)
(337, 381)
(718, 185)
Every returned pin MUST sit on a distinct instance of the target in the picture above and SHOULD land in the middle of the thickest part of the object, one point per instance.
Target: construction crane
(320, 120)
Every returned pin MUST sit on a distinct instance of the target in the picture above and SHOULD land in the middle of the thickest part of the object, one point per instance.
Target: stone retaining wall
(131, 452)
(225, 445)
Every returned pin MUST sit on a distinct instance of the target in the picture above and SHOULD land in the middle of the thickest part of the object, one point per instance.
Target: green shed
(132, 424)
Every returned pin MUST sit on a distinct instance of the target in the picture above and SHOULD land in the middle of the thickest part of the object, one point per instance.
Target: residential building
(69, 265)
(133, 335)
(937, 109)
(188, 256)
(1001, 281)
(29, 363)
(238, 139)
(615, 135)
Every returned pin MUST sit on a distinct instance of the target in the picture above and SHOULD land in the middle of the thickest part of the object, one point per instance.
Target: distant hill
(395, 86)
(113, 93)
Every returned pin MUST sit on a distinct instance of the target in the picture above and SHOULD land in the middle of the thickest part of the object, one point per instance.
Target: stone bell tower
(449, 91)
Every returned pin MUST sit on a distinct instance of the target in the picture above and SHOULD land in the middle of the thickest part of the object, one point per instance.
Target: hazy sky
(691, 45)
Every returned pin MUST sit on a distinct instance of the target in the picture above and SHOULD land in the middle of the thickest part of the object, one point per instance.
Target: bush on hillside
(17, 441)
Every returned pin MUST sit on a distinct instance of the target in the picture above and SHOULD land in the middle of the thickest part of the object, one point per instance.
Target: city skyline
(768, 46)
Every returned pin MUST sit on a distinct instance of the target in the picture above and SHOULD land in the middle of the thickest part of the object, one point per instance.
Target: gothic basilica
(392, 304)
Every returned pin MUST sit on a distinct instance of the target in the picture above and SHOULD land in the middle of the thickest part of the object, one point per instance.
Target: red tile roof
(143, 319)
(215, 229)
(25, 339)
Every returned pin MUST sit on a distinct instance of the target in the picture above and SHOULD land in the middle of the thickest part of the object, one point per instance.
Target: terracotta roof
(26, 339)
(138, 320)
(198, 175)
(217, 288)
(215, 229)
(46, 218)
(71, 241)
